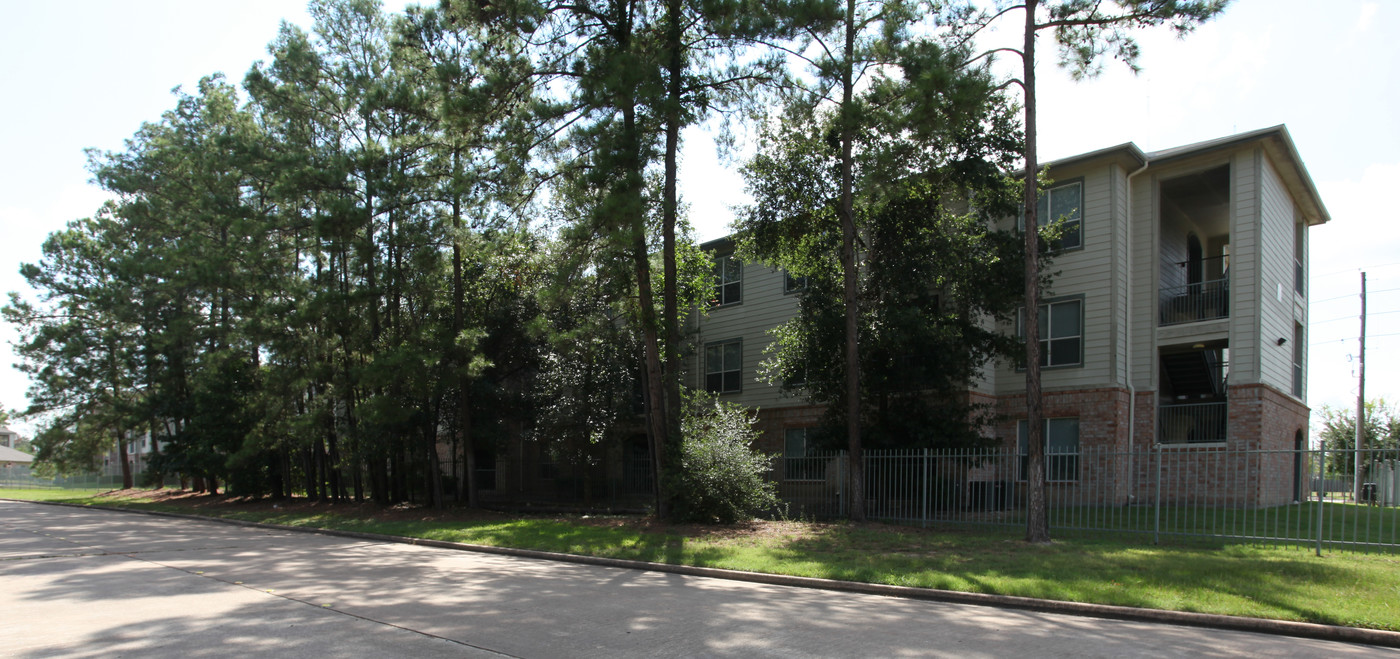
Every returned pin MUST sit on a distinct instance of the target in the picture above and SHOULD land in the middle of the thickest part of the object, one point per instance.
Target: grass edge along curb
(1376, 637)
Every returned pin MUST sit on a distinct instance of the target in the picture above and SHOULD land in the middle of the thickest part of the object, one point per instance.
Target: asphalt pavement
(90, 583)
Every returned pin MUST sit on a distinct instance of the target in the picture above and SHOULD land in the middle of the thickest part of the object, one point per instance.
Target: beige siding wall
(1144, 270)
(1244, 266)
(1131, 247)
(1277, 304)
(1300, 302)
(1083, 273)
(764, 307)
(1118, 356)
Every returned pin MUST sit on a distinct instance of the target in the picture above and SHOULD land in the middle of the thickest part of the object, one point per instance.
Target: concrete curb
(1213, 621)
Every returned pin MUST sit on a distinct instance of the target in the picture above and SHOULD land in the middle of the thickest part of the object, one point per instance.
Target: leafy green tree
(1380, 441)
(475, 184)
(889, 102)
(595, 133)
(197, 267)
(355, 132)
(76, 345)
(586, 385)
(926, 325)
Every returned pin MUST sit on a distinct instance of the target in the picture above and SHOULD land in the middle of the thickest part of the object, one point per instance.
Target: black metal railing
(1205, 300)
(1191, 423)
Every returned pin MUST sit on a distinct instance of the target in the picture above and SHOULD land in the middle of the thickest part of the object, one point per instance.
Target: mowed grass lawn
(1285, 583)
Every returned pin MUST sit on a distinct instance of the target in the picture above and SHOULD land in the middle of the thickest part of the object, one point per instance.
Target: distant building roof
(8, 454)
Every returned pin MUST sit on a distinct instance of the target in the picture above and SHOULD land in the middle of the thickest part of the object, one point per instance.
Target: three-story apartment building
(1176, 320)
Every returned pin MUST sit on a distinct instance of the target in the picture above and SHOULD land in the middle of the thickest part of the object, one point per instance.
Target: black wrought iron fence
(1171, 490)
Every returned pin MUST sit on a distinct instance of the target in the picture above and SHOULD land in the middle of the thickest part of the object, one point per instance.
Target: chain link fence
(17, 476)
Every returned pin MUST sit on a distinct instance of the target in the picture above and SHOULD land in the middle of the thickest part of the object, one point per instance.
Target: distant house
(13, 463)
(11, 457)
(8, 438)
(1178, 317)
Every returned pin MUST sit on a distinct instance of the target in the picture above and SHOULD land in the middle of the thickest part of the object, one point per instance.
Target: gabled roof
(8, 454)
(1275, 140)
(1279, 145)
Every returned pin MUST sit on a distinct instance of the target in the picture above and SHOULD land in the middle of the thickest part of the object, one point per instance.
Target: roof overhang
(1126, 155)
(11, 456)
(1279, 146)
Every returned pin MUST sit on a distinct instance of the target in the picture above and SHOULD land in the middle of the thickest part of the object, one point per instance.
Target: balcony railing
(1191, 423)
(1206, 300)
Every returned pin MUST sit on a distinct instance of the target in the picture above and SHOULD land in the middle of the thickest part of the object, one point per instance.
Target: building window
(1298, 360)
(724, 362)
(1065, 201)
(1061, 332)
(1300, 275)
(1061, 441)
(793, 284)
(798, 462)
(729, 275)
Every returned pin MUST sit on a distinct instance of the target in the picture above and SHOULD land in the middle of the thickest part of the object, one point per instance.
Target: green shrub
(721, 477)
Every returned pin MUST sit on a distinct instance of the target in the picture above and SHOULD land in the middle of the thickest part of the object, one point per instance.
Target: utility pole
(1360, 401)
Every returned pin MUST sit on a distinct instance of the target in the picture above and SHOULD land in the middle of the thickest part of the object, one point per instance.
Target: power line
(1333, 320)
(1351, 338)
(1352, 271)
(1343, 297)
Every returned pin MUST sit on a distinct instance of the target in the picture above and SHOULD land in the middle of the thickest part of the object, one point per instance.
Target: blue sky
(87, 73)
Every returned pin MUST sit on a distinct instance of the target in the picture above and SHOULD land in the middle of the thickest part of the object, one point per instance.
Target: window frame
(1045, 307)
(792, 285)
(1042, 216)
(1051, 459)
(722, 285)
(1299, 356)
(810, 467)
(722, 373)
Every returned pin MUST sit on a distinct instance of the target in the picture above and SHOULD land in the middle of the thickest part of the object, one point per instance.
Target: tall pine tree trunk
(459, 302)
(1037, 518)
(670, 315)
(849, 274)
(656, 410)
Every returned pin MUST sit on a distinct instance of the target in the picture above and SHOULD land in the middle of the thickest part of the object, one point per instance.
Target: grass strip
(1282, 583)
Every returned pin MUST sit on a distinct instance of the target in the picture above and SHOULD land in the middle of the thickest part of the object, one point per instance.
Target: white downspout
(1128, 338)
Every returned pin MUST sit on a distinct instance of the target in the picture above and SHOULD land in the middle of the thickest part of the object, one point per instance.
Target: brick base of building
(1257, 465)
(773, 423)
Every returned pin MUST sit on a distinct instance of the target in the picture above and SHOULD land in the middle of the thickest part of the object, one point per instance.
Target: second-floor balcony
(1206, 300)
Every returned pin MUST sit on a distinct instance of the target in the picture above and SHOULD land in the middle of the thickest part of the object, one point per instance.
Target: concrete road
(88, 583)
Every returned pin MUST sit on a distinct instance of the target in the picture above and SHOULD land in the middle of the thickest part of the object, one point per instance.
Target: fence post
(841, 484)
(1157, 497)
(1321, 492)
(924, 513)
